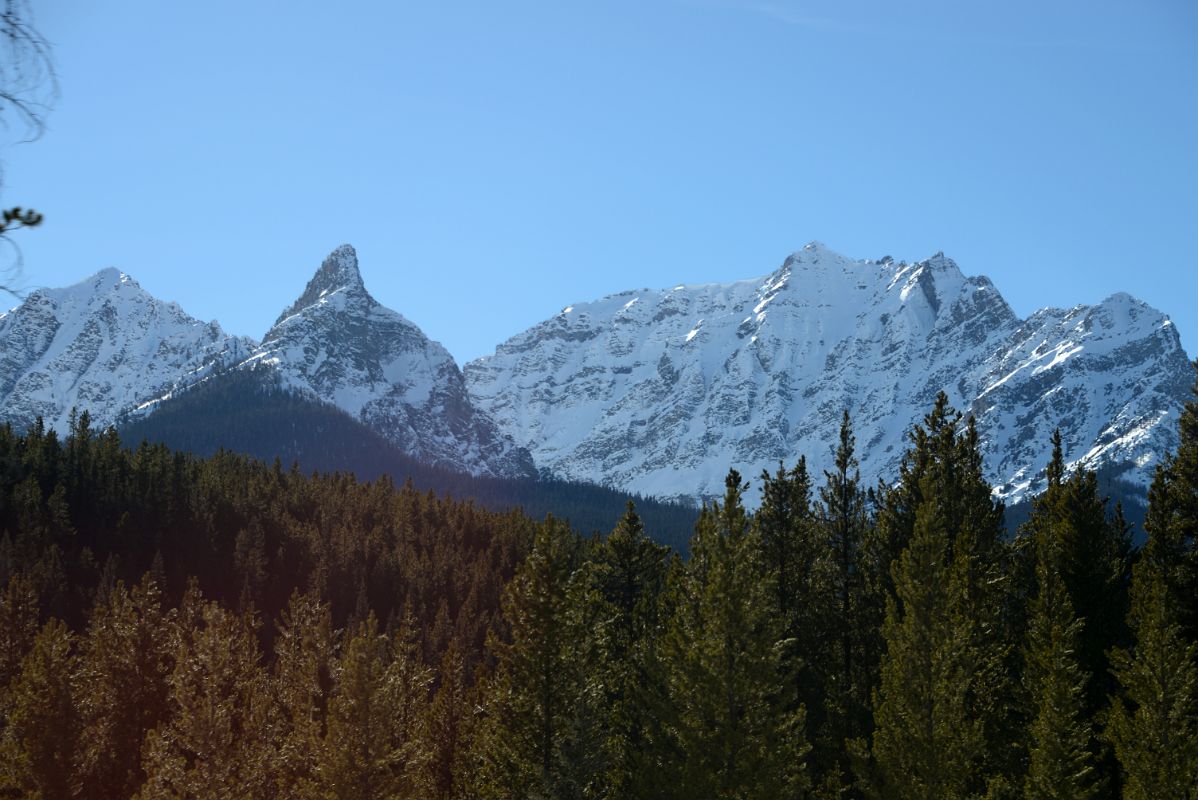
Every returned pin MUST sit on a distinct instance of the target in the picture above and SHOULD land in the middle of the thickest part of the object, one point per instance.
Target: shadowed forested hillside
(246, 412)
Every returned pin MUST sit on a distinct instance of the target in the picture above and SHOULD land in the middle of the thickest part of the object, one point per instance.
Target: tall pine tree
(1172, 522)
(1089, 555)
(375, 748)
(735, 725)
(1061, 760)
(627, 578)
(1154, 726)
(39, 736)
(942, 708)
(218, 740)
(305, 663)
(845, 658)
(450, 727)
(121, 686)
(534, 694)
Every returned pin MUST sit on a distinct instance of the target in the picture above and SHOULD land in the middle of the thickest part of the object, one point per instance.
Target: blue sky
(494, 162)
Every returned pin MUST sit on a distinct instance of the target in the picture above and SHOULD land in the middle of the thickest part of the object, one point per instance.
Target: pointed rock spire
(338, 271)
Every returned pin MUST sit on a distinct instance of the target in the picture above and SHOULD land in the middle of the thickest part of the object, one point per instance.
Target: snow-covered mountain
(105, 345)
(653, 391)
(337, 344)
(662, 391)
(108, 346)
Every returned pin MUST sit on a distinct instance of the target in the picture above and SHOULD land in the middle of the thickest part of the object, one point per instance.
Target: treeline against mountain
(246, 411)
(1114, 486)
(840, 642)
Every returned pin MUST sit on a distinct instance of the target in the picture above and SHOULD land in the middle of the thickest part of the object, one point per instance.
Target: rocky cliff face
(662, 391)
(104, 345)
(336, 343)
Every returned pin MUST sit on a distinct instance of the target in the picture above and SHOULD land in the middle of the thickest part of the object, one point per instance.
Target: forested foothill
(248, 411)
(175, 626)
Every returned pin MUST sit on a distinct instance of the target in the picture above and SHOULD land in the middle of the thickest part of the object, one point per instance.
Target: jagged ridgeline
(664, 389)
(650, 392)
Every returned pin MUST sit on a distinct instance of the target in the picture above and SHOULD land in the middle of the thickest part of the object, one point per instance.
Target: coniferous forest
(174, 626)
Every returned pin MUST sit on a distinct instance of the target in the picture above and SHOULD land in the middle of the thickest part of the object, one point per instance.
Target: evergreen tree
(1172, 522)
(305, 655)
(40, 732)
(788, 545)
(943, 707)
(927, 743)
(1154, 726)
(121, 688)
(534, 696)
(794, 552)
(1094, 562)
(1061, 763)
(449, 725)
(735, 725)
(1090, 557)
(626, 577)
(844, 661)
(218, 741)
(375, 746)
(18, 629)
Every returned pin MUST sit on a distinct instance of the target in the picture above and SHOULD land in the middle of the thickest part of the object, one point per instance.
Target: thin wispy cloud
(859, 21)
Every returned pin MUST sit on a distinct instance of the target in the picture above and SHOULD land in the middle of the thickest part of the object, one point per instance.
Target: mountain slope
(248, 411)
(337, 344)
(104, 345)
(661, 391)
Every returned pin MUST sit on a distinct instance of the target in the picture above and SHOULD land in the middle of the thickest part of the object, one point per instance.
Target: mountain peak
(339, 345)
(663, 400)
(104, 344)
(107, 279)
(338, 271)
(109, 276)
(940, 262)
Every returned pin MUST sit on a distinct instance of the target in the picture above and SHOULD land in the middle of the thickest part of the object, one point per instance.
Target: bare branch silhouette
(28, 88)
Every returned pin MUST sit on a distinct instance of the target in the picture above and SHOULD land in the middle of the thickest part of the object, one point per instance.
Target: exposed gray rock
(661, 392)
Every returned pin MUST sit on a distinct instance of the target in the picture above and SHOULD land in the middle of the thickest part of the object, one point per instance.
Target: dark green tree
(943, 708)
(626, 579)
(1172, 521)
(1070, 519)
(1061, 759)
(1090, 556)
(788, 545)
(1154, 725)
(534, 696)
(737, 729)
(1154, 722)
(845, 659)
